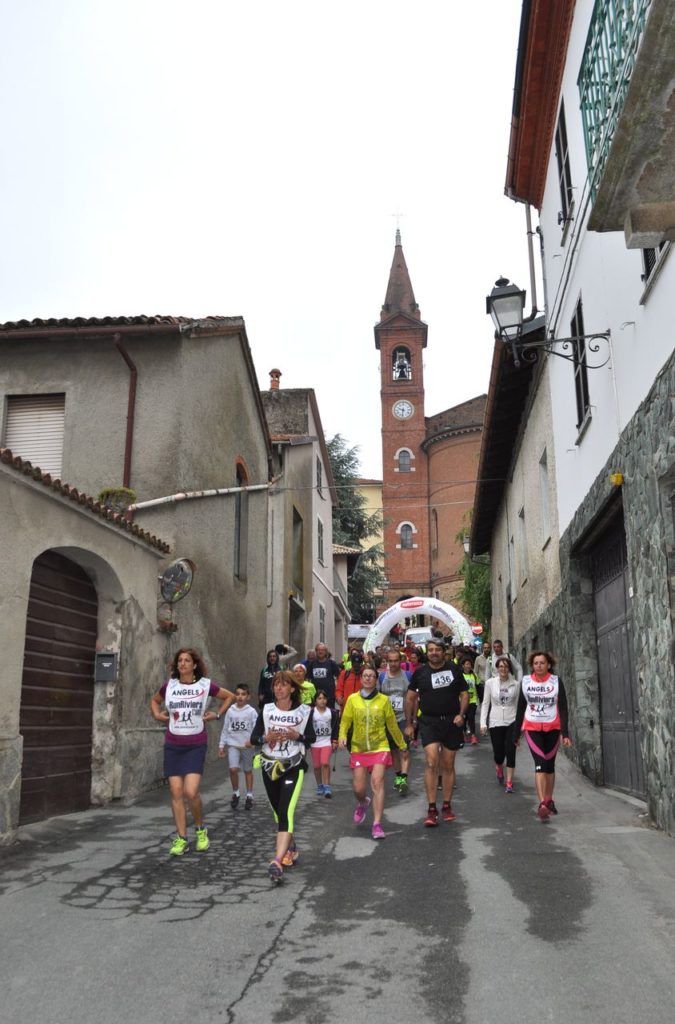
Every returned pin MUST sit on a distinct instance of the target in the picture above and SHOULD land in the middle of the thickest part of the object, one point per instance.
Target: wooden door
(619, 711)
(57, 689)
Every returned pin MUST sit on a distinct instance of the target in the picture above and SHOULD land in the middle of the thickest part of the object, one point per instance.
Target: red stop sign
(476, 629)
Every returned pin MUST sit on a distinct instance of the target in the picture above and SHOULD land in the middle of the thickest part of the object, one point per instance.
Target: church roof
(400, 297)
(465, 418)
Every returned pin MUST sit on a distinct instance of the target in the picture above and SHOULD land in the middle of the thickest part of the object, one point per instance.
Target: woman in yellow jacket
(369, 716)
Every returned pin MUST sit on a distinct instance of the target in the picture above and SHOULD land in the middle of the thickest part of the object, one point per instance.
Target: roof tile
(25, 467)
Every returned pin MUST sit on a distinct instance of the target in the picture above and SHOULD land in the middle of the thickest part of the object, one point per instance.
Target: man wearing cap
(443, 698)
(349, 680)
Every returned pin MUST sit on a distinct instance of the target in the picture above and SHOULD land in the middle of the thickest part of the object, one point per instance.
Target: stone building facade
(68, 534)
(171, 408)
(307, 596)
(607, 411)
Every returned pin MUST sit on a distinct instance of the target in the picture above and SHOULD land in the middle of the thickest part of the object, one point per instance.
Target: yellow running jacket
(370, 720)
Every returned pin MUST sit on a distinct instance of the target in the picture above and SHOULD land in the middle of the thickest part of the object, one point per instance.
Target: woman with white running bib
(542, 716)
(185, 697)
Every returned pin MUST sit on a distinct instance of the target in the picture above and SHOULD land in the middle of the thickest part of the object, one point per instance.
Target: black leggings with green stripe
(283, 795)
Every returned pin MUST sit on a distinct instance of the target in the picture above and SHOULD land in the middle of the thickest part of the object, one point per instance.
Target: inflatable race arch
(460, 627)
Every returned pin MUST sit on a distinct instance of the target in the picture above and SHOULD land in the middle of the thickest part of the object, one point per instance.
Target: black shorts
(441, 730)
(543, 747)
(390, 739)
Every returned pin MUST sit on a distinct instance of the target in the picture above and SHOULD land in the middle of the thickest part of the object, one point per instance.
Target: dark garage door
(620, 721)
(57, 689)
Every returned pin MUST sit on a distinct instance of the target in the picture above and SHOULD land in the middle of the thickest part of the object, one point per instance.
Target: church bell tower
(401, 337)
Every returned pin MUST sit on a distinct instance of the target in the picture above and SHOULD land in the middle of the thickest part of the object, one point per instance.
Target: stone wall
(645, 455)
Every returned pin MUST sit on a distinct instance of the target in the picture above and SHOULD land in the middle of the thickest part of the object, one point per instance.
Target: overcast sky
(247, 159)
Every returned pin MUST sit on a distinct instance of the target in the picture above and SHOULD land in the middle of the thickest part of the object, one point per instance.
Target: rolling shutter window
(34, 429)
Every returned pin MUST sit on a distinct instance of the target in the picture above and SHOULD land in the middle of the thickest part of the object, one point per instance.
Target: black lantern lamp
(506, 303)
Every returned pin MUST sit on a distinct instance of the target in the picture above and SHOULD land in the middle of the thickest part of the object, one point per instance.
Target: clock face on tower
(403, 409)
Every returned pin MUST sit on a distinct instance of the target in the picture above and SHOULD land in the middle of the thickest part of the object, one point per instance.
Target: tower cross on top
(398, 216)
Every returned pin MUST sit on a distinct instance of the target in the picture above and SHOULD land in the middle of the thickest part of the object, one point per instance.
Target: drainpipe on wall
(212, 492)
(131, 408)
(530, 253)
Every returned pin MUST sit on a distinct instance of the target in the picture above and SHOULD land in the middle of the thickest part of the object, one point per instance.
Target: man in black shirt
(443, 699)
(323, 673)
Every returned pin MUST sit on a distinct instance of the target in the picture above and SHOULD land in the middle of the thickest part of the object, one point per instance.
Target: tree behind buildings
(354, 527)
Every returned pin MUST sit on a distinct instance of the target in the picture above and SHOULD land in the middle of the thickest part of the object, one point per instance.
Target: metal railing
(609, 58)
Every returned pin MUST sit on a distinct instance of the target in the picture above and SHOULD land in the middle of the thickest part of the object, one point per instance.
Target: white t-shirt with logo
(238, 726)
(276, 720)
(186, 704)
(323, 727)
(542, 701)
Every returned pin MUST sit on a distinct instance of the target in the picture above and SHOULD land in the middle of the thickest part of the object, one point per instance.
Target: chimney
(274, 379)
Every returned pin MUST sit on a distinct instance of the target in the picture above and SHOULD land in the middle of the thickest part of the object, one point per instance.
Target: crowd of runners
(377, 705)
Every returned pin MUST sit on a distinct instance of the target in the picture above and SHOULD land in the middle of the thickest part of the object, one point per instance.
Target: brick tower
(401, 337)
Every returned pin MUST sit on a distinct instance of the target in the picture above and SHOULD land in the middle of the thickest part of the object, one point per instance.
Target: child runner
(472, 687)
(326, 722)
(237, 729)
(370, 716)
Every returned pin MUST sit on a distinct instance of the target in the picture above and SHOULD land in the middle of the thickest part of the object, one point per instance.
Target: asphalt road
(496, 917)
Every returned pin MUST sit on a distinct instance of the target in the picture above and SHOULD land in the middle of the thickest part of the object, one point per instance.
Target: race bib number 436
(441, 679)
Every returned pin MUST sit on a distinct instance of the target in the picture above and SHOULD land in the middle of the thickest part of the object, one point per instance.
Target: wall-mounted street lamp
(506, 303)
(478, 559)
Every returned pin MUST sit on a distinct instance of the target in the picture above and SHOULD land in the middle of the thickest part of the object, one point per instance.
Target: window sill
(651, 280)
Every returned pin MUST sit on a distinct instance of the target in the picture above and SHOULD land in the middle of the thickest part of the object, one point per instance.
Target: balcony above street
(627, 88)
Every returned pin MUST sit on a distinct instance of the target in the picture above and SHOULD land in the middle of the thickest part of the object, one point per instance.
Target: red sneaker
(447, 813)
(431, 819)
(551, 806)
(500, 774)
(543, 811)
(474, 741)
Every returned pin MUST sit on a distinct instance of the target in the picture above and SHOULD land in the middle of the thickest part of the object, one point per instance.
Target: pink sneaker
(378, 831)
(474, 741)
(543, 811)
(500, 775)
(360, 812)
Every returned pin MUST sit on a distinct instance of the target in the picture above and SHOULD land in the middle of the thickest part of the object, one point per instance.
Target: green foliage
(353, 526)
(364, 584)
(476, 594)
(117, 498)
(351, 523)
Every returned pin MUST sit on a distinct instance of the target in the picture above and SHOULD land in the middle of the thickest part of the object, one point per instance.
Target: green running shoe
(179, 846)
(201, 840)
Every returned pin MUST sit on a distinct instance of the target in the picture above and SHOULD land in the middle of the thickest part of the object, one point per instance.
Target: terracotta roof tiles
(26, 468)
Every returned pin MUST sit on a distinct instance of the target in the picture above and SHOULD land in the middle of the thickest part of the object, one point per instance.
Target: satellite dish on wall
(176, 580)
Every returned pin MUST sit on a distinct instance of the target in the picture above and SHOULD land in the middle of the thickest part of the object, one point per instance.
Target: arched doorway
(57, 689)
